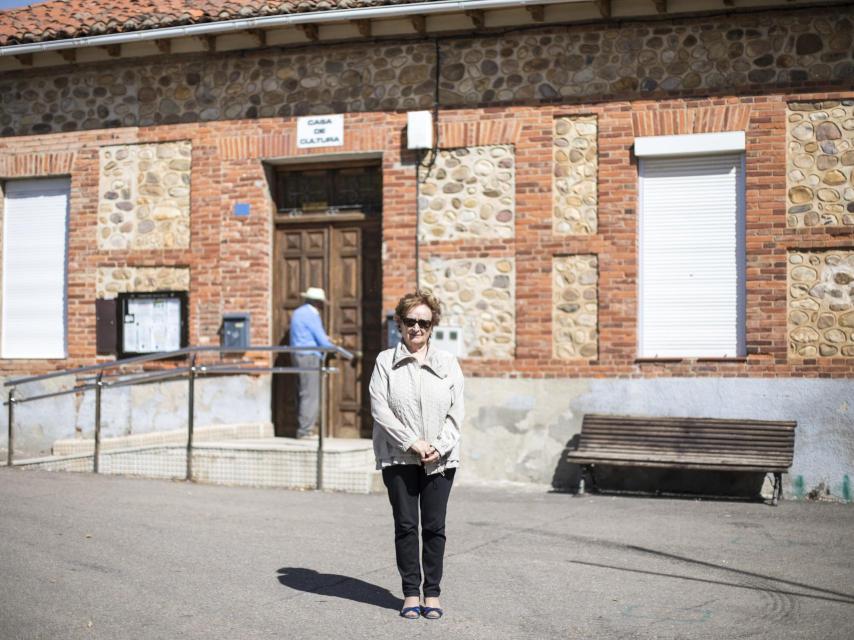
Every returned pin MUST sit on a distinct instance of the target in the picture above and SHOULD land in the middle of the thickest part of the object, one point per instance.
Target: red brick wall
(230, 257)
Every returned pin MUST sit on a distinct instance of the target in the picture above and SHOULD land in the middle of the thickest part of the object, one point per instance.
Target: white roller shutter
(35, 230)
(691, 252)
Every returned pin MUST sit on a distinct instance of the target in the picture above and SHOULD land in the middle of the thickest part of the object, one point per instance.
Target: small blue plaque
(241, 209)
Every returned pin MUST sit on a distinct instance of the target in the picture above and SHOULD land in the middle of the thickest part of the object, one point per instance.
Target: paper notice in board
(131, 338)
(152, 325)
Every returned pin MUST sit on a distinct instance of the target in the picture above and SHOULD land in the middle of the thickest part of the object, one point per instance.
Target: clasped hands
(425, 451)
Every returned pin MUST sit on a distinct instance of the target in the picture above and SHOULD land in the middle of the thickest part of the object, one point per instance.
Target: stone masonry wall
(821, 163)
(576, 160)
(114, 280)
(707, 54)
(478, 295)
(468, 193)
(821, 303)
(145, 196)
(576, 304)
(203, 88)
(733, 54)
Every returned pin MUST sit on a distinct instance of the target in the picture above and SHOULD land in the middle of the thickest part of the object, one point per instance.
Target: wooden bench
(686, 443)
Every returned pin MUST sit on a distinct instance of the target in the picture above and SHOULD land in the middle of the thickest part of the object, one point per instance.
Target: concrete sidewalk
(84, 556)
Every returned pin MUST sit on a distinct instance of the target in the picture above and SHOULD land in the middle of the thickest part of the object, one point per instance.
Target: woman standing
(417, 406)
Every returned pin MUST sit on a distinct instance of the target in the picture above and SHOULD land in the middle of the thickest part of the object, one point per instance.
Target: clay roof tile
(75, 18)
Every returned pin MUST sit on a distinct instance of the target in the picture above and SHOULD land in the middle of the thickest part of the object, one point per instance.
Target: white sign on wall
(320, 131)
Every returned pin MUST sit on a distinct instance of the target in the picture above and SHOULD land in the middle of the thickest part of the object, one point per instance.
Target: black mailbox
(235, 330)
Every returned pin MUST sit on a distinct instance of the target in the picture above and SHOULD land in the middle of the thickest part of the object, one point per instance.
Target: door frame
(370, 219)
(368, 224)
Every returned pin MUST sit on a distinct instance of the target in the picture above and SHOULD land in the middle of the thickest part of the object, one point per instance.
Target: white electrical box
(450, 339)
(419, 130)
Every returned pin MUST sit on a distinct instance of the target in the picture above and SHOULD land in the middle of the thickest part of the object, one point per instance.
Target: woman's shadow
(331, 584)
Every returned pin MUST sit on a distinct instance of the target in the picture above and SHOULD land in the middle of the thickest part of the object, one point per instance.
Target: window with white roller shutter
(35, 233)
(691, 247)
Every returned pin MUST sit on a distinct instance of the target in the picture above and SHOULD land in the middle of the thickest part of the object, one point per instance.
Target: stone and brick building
(630, 206)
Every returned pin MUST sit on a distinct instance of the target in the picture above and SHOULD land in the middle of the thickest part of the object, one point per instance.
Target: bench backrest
(696, 442)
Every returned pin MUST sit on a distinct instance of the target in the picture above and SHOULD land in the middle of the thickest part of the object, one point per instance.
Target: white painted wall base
(516, 431)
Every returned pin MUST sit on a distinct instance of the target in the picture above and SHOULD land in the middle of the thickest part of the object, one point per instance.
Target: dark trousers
(408, 486)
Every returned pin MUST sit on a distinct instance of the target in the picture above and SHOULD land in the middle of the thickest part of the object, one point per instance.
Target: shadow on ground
(767, 583)
(683, 482)
(566, 475)
(338, 586)
(648, 481)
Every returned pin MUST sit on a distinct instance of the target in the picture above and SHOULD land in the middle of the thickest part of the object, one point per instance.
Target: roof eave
(268, 22)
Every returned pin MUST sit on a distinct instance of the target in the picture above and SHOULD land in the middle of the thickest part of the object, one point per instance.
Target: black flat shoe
(411, 613)
(432, 613)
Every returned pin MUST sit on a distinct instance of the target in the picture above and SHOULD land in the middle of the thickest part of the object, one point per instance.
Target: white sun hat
(314, 293)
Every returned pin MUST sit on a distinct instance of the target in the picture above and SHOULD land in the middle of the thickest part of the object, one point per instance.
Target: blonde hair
(419, 297)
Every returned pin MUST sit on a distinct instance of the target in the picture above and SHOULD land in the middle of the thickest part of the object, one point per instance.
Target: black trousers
(408, 486)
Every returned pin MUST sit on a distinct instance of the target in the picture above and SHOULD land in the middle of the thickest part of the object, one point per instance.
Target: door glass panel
(330, 191)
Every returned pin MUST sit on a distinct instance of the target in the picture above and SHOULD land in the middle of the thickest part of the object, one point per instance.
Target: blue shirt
(307, 329)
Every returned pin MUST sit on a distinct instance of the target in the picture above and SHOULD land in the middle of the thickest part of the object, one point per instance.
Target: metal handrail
(192, 371)
(168, 355)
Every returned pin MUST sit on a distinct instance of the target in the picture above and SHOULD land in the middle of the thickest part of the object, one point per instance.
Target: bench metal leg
(778, 489)
(586, 470)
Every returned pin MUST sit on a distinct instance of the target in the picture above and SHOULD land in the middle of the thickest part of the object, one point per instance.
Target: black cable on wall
(419, 164)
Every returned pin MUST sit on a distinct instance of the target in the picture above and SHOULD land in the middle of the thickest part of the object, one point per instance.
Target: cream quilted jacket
(410, 401)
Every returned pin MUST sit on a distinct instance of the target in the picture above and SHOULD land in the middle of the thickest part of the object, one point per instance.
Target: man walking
(307, 331)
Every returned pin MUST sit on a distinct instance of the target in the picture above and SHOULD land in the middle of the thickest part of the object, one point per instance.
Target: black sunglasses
(411, 322)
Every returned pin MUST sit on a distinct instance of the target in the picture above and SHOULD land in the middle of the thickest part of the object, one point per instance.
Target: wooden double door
(343, 257)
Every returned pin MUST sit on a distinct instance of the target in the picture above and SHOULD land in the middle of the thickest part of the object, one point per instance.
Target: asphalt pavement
(85, 556)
